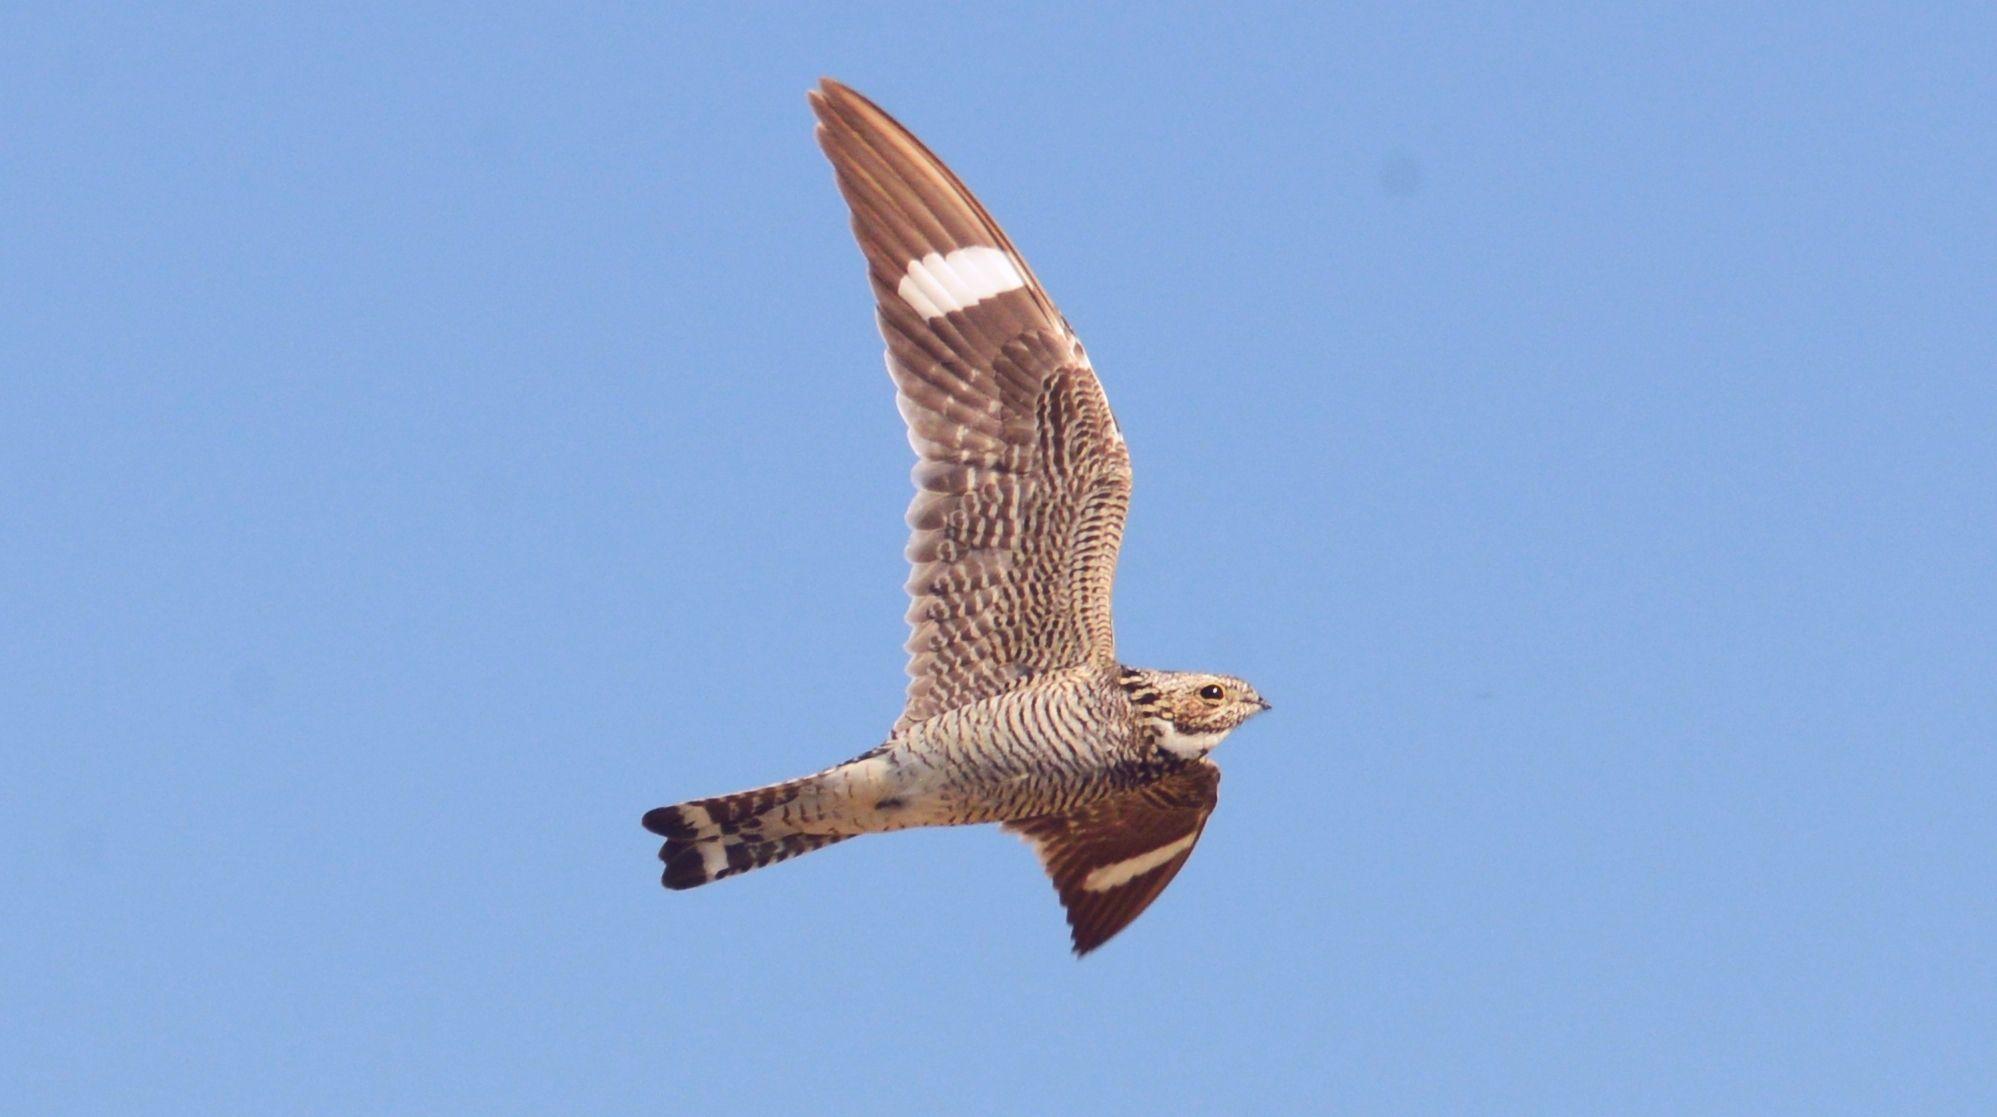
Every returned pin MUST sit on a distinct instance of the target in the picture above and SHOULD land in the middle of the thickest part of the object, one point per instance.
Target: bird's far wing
(1110, 859)
(1022, 481)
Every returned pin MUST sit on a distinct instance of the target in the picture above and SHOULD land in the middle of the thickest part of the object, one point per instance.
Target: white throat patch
(1188, 746)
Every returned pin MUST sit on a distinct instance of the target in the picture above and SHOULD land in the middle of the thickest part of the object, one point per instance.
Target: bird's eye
(1212, 692)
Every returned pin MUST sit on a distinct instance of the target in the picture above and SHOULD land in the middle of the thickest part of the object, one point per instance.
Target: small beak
(1262, 702)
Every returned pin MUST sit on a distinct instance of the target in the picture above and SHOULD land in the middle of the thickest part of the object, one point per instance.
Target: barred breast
(1063, 741)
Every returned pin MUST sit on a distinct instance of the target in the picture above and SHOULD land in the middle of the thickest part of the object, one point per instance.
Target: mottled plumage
(1018, 711)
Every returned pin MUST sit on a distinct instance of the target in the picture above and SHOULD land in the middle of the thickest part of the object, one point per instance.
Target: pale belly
(1018, 756)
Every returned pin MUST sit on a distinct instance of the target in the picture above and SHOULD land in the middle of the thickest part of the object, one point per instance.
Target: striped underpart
(1041, 749)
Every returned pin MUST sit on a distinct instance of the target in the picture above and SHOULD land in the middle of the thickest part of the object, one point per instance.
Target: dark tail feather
(708, 839)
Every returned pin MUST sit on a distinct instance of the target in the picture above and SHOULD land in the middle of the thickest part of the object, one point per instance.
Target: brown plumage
(1018, 711)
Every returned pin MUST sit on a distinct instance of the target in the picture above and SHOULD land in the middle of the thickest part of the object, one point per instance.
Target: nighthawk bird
(1018, 711)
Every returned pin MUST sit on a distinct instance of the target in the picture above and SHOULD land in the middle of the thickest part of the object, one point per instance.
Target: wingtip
(825, 99)
(832, 97)
(828, 90)
(1085, 941)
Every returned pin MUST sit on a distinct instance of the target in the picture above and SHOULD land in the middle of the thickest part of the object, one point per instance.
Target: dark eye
(1212, 692)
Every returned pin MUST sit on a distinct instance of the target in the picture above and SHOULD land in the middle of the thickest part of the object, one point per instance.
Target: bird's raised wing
(1023, 480)
(1110, 859)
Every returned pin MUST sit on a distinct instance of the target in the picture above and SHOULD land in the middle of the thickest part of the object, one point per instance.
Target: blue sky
(431, 436)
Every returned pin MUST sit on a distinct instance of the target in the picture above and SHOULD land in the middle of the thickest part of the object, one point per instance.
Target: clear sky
(431, 436)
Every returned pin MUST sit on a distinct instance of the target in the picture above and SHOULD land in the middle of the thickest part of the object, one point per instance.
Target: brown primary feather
(1023, 480)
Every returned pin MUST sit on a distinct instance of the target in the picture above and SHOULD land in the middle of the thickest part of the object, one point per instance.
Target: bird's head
(1190, 711)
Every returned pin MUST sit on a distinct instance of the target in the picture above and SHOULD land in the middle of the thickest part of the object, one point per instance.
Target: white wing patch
(1105, 877)
(937, 284)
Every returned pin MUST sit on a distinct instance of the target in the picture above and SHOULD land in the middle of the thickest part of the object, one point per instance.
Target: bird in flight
(1018, 711)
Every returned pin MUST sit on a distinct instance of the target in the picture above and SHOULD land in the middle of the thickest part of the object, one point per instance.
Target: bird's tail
(708, 839)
